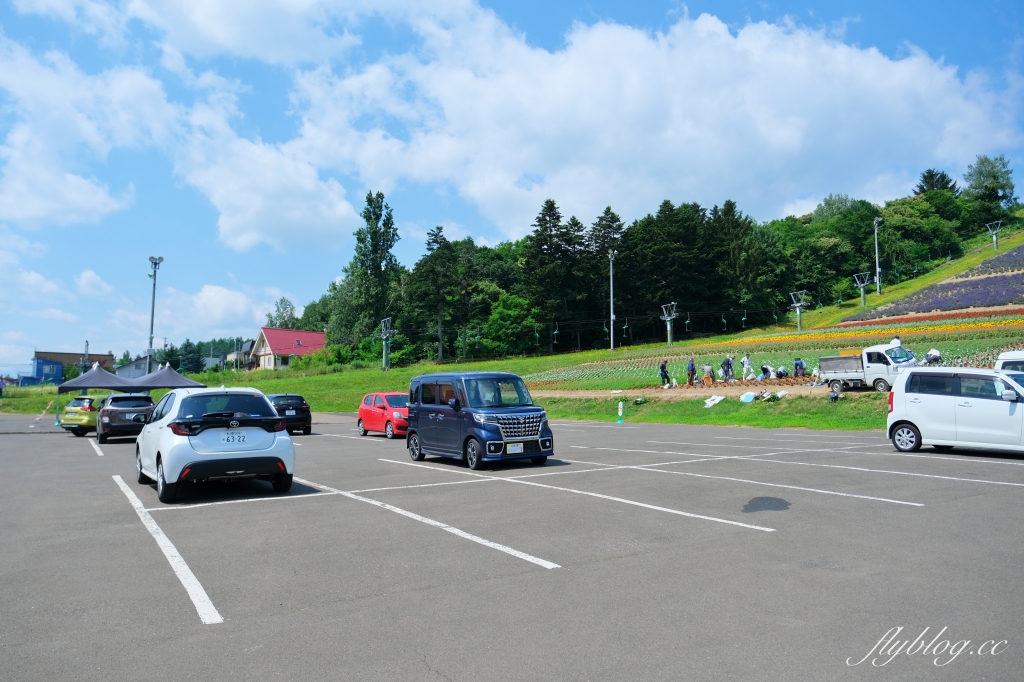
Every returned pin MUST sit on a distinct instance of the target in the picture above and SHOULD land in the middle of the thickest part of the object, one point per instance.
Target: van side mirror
(1009, 396)
(454, 403)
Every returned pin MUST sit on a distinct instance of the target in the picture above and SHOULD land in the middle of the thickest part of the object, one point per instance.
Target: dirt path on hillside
(728, 390)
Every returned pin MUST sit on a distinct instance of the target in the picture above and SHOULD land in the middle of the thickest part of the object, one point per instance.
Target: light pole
(611, 295)
(155, 264)
(878, 268)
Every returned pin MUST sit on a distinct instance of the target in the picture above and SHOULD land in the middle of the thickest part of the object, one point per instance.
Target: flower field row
(936, 317)
(995, 290)
(851, 334)
(1011, 261)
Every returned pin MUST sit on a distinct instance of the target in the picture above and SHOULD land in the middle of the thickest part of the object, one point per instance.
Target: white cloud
(264, 193)
(19, 284)
(65, 121)
(91, 284)
(627, 118)
(55, 314)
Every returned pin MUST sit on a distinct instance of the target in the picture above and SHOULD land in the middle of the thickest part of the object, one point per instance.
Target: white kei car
(948, 407)
(210, 434)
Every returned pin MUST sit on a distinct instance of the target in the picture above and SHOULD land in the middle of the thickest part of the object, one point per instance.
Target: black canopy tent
(164, 378)
(98, 377)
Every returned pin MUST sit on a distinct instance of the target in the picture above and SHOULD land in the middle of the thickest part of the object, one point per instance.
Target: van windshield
(497, 393)
(899, 354)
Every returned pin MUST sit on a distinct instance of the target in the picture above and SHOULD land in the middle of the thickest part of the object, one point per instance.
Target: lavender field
(1011, 261)
(957, 294)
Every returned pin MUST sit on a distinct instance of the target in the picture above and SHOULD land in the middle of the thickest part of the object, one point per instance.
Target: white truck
(875, 366)
(1011, 361)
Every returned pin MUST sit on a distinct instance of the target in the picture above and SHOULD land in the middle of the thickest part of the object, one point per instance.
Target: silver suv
(957, 407)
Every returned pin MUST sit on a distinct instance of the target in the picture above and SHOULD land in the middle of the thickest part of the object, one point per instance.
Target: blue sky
(237, 140)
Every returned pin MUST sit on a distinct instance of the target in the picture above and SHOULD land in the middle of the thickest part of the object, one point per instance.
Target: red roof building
(274, 348)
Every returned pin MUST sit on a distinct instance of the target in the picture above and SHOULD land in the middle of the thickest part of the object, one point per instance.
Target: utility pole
(878, 267)
(611, 295)
(155, 264)
(669, 313)
(386, 332)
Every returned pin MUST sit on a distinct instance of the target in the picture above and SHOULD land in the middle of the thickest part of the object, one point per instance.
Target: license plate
(514, 448)
(233, 437)
(130, 416)
(289, 413)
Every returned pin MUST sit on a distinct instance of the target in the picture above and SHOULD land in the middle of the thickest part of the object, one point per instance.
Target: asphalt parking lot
(641, 552)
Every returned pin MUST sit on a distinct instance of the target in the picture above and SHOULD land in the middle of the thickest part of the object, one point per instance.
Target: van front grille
(519, 425)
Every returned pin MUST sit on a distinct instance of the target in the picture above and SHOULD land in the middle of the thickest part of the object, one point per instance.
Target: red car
(387, 412)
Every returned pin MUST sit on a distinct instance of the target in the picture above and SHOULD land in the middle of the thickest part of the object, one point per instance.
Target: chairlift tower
(799, 303)
(386, 332)
(993, 230)
(861, 280)
(611, 296)
(668, 313)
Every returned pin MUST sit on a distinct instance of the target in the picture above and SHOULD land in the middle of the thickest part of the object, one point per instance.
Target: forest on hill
(549, 291)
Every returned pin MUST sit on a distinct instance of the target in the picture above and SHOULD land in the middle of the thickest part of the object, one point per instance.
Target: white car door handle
(965, 404)
(915, 400)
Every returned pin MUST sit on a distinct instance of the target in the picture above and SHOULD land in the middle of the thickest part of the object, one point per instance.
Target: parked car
(479, 417)
(384, 412)
(957, 407)
(295, 410)
(1011, 361)
(213, 434)
(79, 415)
(875, 366)
(118, 412)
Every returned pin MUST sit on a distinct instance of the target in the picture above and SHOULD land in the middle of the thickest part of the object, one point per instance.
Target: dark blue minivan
(478, 416)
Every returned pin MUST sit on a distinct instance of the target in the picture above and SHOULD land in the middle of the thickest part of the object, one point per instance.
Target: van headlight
(484, 418)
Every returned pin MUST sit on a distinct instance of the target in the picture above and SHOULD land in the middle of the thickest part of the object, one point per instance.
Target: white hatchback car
(948, 407)
(211, 434)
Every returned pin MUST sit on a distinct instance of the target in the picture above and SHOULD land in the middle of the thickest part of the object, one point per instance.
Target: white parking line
(597, 495)
(92, 442)
(948, 459)
(779, 485)
(207, 611)
(443, 526)
(362, 438)
(883, 471)
(248, 499)
(594, 426)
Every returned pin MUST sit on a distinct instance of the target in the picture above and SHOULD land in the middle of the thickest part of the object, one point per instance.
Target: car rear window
(396, 400)
(1013, 366)
(238, 404)
(289, 401)
(80, 402)
(131, 401)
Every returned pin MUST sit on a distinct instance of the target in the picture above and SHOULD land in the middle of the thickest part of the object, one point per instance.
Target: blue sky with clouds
(237, 140)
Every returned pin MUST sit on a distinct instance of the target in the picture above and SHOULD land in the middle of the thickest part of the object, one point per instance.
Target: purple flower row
(1010, 261)
(955, 295)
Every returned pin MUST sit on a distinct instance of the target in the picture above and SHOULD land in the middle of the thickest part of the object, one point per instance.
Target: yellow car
(79, 416)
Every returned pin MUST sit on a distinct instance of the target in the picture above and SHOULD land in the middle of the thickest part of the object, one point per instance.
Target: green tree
(432, 283)
(126, 357)
(831, 206)
(374, 270)
(283, 316)
(991, 179)
(191, 360)
(933, 179)
(510, 327)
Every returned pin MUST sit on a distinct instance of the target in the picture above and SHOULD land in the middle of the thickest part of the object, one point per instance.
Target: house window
(284, 360)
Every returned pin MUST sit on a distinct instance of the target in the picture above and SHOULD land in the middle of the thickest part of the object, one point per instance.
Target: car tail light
(185, 472)
(179, 430)
(280, 465)
(304, 408)
(890, 401)
(87, 408)
(280, 425)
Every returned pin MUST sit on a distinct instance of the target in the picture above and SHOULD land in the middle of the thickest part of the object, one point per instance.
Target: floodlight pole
(878, 267)
(154, 262)
(611, 297)
(993, 229)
